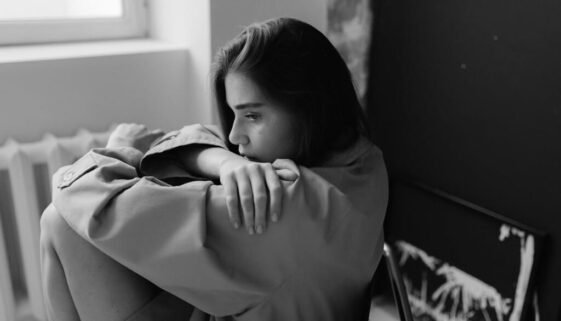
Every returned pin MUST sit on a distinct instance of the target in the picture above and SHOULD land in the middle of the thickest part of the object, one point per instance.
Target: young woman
(153, 234)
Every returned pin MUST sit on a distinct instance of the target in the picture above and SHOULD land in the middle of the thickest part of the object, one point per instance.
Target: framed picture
(460, 261)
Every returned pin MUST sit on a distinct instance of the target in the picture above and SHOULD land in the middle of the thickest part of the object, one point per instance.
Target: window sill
(16, 54)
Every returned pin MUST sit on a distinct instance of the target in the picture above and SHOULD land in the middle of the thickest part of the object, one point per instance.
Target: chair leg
(398, 287)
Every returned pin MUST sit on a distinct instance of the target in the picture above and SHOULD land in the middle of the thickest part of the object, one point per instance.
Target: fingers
(286, 169)
(232, 200)
(259, 190)
(254, 192)
(156, 133)
(246, 199)
(131, 128)
(275, 193)
(286, 174)
(133, 135)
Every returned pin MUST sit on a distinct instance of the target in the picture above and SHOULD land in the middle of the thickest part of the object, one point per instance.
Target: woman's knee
(54, 229)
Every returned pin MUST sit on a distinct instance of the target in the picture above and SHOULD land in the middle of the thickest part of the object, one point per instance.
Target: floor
(380, 310)
(383, 310)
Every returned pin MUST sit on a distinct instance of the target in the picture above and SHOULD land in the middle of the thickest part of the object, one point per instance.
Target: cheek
(275, 138)
(284, 140)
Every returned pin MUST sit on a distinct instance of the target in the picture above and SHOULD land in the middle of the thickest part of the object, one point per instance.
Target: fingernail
(236, 225)
(250, 230)
(274, 217)
(259, 229)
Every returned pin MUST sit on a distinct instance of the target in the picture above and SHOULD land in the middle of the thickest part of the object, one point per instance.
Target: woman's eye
(252, 116)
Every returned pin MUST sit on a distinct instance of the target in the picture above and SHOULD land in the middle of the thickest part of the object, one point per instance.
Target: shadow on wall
(464, 97)
(349, 29)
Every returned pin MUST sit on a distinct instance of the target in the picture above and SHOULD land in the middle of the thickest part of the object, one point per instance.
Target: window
(42, 21)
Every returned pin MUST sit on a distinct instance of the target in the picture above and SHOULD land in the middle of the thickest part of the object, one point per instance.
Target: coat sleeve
(161, 160)
(180, 237)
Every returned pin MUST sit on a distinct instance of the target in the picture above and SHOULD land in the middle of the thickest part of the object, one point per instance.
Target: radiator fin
(10, 259)
(25, 180)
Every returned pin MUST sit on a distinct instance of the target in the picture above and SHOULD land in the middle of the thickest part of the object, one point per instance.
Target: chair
(398, 287)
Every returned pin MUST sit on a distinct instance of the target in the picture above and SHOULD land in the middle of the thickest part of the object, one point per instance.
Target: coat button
(67, 176)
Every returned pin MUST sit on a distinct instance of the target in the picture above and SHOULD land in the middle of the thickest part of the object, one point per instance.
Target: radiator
(25, 189)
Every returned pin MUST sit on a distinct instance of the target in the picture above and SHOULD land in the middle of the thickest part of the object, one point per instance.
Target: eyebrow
(248, 105)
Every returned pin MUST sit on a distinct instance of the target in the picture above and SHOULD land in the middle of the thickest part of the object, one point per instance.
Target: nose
(237, 135)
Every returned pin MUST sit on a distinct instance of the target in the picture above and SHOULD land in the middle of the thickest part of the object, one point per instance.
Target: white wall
(161, 89)
(229, 17)
(61, 96)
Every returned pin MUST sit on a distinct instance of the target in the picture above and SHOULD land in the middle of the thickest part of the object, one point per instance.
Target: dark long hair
(296, 66)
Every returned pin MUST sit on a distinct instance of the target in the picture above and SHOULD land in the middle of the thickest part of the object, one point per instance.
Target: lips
(243, 153)
(249, 157)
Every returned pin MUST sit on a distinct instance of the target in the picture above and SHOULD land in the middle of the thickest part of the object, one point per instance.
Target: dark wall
(465, 96)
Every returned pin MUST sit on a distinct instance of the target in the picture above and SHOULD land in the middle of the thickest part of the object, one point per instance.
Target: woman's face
(262, 130)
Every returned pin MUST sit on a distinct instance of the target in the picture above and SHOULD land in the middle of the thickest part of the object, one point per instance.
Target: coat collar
(349, 155)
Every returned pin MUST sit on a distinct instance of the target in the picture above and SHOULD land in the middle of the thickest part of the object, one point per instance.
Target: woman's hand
(254, 188)
(133, 135)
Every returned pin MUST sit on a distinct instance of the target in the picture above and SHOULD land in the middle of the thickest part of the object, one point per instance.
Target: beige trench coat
(148, 213)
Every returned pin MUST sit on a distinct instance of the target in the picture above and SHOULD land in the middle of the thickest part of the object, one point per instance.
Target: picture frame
(460, 261)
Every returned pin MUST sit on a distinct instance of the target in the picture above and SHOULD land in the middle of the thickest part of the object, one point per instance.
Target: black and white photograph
(456, 273)
(280, 160)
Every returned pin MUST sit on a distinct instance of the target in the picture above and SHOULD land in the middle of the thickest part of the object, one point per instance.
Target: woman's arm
(202, 160)
(253, 191)
(205, 160)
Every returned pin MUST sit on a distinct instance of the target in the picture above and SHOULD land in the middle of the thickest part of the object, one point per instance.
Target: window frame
(133, 24)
